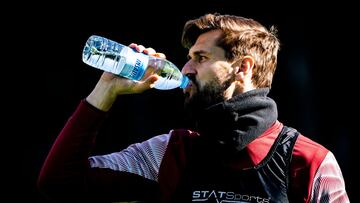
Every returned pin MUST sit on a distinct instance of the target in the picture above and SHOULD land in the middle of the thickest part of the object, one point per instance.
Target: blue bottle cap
(185, 82)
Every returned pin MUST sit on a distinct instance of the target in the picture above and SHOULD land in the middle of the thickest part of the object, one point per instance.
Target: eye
(197, 58)
(201, 58)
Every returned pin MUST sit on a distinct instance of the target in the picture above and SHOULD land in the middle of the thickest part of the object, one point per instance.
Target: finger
(133, 45)
(147, 84)
(149, 51)
(160, 55)
(140, 48)
(151, 80)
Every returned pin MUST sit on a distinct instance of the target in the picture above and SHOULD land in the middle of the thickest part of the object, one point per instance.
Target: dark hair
(241, 36)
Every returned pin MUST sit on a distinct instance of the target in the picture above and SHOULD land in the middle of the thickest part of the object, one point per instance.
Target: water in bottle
(121, 60)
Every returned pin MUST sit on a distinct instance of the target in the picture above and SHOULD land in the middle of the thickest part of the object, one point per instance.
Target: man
(240, 152)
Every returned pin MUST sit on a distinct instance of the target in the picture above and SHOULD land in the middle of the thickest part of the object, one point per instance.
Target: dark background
(314, 86)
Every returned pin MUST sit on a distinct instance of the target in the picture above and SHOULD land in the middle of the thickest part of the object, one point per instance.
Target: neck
(233, 90)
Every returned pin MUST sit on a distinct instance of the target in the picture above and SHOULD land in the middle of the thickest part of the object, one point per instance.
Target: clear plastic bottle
(121, 60)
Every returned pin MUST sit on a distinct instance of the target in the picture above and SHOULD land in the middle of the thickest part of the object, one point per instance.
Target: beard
(209, 94)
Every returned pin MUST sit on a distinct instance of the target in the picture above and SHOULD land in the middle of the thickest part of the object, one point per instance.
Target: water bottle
(121, 60)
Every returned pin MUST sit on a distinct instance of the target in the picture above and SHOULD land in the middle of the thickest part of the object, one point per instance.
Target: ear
(244, 67)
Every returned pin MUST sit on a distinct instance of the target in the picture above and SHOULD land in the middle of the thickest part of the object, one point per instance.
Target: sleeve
(328, 184)
(64, 172)
(68, 175)
(142, 159)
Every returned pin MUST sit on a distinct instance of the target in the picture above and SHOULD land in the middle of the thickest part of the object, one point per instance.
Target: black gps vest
(207, 177)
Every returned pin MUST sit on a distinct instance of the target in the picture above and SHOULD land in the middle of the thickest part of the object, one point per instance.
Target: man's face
(209, 71)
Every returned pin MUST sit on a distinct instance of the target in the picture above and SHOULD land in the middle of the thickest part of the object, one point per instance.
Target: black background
(314, 86)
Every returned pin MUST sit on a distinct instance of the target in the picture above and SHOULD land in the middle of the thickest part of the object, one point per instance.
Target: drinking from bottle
(121, 60)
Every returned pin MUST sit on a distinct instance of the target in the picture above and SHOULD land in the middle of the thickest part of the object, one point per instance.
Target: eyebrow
(197, 53)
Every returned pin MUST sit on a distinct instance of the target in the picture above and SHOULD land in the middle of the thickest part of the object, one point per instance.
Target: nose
(188, 68)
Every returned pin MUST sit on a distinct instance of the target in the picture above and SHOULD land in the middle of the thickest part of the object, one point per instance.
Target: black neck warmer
(234, 123)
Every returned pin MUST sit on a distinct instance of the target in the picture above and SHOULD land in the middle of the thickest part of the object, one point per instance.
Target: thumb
(151, 80)
(147, 84)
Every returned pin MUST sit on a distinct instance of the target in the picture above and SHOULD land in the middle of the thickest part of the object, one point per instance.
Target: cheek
(224, 71)
(209, 73)
(205, 77)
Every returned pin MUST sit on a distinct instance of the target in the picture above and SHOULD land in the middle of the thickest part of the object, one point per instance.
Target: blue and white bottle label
(135, 64)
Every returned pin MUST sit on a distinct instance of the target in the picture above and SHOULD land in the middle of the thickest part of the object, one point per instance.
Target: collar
(234, 123)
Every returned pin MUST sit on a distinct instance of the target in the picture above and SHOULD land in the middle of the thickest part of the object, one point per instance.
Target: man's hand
(110, 86)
